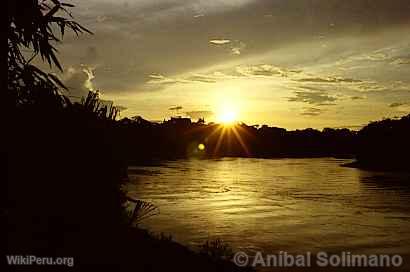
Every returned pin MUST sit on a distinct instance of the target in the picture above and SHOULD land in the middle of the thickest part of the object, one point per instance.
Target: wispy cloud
(199, 114)
(311, 111)
(238, 48)
(160, 79)
(401, 61)
(191, 78)
(219, 42)
(357, 97)
(175, 108)
(397, 104)
(265, 70)
(201, 78)
(329, 80)
(313, 96)
(235, 47)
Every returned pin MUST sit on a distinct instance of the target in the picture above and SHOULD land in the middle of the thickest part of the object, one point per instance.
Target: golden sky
(287, 63)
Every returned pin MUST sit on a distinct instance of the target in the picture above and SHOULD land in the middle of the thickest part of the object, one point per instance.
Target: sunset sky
(286, 63)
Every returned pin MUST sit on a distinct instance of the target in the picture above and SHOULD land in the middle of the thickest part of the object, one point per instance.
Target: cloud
(239, 72)
(329, 80)
(377, 56)
(160, 79)
(313, 96)
(190, 78)
(262, 71)
(401, 61)
(79, 81)
(236, 51)
(397, 104)
(383, 88)
(238, 48)
(199, 114)
(265, 70)
(129, 38)
(368, 87)
(235, 47)
(176, 108)
(220, 42)
(311, 111)
(357, 97)
(201, 78)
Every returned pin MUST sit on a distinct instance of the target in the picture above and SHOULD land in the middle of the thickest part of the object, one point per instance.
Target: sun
(227, 115)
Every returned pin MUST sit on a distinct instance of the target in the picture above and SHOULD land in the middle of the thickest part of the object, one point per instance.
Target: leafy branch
(36, 26)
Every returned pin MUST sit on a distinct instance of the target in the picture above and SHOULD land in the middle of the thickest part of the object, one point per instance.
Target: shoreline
(376, 168)
(157, 252)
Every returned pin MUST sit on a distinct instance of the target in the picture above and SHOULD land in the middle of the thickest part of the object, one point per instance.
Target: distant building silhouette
(178, 121)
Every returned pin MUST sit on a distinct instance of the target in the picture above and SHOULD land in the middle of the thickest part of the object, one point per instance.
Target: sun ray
(219, 142)
(240, 140)
(243, 131)
(218, 128)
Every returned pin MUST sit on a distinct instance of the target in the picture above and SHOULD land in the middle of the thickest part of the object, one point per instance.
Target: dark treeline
(382, 144)
(180, 138)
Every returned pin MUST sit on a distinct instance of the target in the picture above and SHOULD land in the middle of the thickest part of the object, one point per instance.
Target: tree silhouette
(36, 26)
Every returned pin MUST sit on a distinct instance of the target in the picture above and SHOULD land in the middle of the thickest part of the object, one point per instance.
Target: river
(292, 205)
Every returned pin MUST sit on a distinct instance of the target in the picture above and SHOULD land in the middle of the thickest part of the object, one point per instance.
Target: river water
(271, 205)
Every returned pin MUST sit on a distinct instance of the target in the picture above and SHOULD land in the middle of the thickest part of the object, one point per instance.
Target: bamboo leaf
(55, 60)
(58, 81)
(67, 5)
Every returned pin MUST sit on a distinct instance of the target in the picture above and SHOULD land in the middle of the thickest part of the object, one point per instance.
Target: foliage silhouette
(63, 193)
(141, 210)
(32, 25)
(217, 249)
(380, 145)
(385, 144)
(179, 138)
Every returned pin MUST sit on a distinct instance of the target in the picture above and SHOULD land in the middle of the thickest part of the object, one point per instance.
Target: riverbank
(376, 167)
(160, 253)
